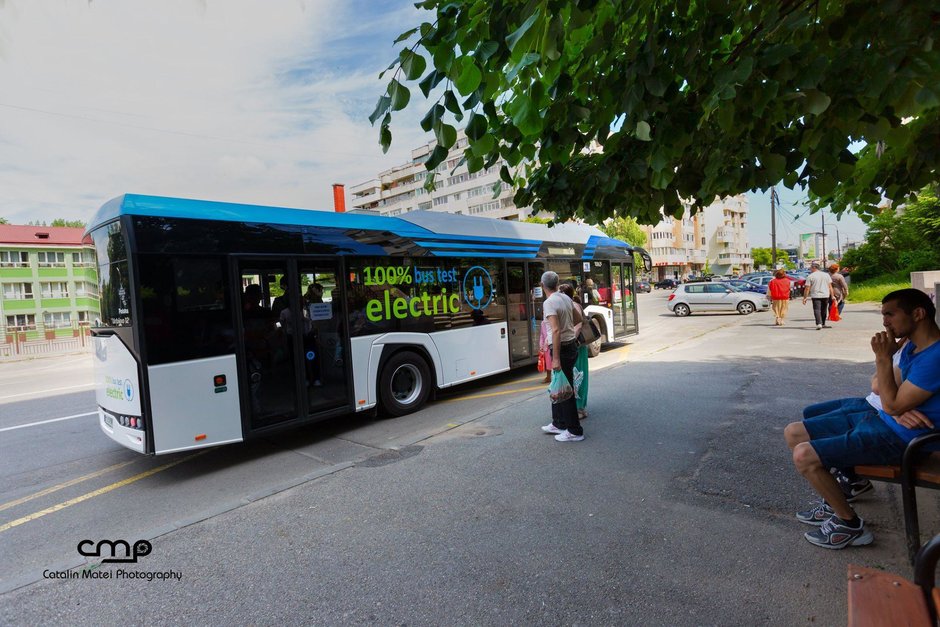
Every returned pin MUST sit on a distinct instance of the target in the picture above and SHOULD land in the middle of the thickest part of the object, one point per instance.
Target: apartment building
(677, 246)
(401, 189)
(726, 241)
(48, 282)
(713, 240)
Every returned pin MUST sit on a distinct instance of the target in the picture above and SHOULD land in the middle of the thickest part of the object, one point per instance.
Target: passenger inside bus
(258, 327)
(281, 302)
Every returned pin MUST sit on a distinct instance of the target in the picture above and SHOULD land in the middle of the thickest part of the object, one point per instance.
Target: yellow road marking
(68, 483)
(99, 492)
(473, 396)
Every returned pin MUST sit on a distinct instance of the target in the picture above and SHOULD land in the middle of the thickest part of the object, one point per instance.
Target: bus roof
(424, 227)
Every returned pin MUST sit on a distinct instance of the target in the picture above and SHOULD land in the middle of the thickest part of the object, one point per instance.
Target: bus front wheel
(405, 384)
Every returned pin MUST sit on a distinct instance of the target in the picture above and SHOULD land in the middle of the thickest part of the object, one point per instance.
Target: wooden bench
(879, 599)
(918, 469)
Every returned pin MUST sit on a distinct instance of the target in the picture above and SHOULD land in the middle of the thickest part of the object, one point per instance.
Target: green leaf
(432, 117)
(443, 58)
(399, 95)
(483, 146)
(822, 184)
(381, 108)
(553, 34)
(486, 50)
(527, 59)
(816, 101)
(431, 81)
(505, 175)
(474, 164)
(476, 126)
(725, 116)
(525, 115)
(450, 102)
(446, 135)
(520, 32)
(385, 137)
(473, 100)
(405, 35)
(656, 86)
(436, 157)
(469, 78)
(412, 64)
(643, 131)
(776, 166)
(928, 96)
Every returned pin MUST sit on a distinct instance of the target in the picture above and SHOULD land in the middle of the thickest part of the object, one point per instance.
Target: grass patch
(873, 290)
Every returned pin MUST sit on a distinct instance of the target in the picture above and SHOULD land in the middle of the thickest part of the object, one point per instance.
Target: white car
(697, 297)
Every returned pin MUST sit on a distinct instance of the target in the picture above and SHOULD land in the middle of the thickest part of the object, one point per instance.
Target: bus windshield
(113, 276)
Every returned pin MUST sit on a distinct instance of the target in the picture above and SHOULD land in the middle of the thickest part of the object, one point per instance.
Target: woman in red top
(779, 291)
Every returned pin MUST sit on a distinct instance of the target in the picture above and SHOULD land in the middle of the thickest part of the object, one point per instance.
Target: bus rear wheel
(405, 384)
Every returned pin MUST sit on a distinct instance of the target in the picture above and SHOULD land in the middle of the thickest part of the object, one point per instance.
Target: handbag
(589, 331)
(542, 360)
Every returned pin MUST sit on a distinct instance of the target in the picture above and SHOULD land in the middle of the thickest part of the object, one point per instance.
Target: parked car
(797, 282)
(702, 278)
(714, 297)
(643, 285)
(666, 284)
(751, 276)
(747, 286)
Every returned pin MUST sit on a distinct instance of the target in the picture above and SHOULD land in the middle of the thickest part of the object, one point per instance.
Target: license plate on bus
(108, 421)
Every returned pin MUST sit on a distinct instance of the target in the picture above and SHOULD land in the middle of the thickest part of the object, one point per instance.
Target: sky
(262, 102)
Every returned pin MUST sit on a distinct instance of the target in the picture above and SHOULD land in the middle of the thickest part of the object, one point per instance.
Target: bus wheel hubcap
(406, 384)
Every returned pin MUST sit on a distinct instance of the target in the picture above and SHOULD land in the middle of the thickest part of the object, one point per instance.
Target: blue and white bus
(221, 322)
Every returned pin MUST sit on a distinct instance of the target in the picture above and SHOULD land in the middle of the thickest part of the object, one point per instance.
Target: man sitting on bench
(843, 439)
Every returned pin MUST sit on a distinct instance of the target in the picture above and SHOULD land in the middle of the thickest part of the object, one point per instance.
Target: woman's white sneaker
(567, 436)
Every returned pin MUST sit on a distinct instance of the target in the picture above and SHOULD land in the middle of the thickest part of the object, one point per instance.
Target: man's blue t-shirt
(923, 370)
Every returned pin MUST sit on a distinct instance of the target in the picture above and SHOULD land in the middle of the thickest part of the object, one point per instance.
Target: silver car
(691, 297)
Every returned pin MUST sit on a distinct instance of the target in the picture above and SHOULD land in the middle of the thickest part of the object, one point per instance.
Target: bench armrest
(912, 453)
(925, 565)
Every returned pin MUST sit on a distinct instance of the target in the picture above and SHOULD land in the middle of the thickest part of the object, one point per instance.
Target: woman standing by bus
(562, 316)
(580, 382)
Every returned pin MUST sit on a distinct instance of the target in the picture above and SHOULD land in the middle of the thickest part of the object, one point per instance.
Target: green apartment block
(48, 283)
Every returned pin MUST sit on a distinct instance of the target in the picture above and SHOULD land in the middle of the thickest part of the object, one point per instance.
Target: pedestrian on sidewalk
(779, 291)
(840, 289)
(580, 382)
(563, 350)
(819, 288)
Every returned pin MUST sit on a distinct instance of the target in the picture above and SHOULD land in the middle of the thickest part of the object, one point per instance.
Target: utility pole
(773, 227)
(823, 215)
(838, 245)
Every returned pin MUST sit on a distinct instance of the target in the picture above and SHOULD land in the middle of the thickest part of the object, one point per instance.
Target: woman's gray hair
(550, 280)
